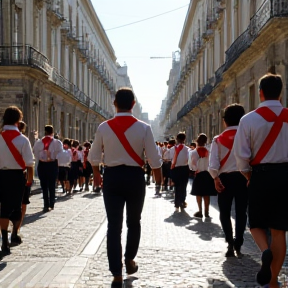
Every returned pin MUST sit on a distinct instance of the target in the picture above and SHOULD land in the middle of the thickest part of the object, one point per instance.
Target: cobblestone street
(60, 248)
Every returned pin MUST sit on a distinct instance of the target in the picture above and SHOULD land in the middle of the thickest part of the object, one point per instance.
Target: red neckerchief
(177, 151)
(202, 152)
(47, 141)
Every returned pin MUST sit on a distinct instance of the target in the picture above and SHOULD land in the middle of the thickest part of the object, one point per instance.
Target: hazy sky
(135, 44)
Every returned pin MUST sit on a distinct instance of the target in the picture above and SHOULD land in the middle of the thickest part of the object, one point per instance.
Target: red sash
(47, 141)
(269, 116)
(226, 139)
(177, 151)
(8, 136)
(119, 126)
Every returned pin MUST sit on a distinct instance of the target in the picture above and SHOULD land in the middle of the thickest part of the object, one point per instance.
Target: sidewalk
(178, 250)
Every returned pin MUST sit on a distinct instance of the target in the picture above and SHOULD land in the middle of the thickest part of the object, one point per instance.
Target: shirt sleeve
(28, 154)
(95, 153)
(36, 149)
(151, 151)
(214, 160)
(194, 158)
(241, 147)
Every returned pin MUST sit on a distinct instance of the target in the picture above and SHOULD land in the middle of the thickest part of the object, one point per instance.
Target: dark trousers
(166, 166)
(180, 176)
(235, 188)
(47, 173)
(123, 185)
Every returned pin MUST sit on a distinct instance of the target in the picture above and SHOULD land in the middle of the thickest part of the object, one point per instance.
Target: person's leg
(225, 200)
(278, 248)
(199, 203)
(114, 201)
(51, 183)
(206, 205)
(241, 202)
(134, 207)
(43, 177)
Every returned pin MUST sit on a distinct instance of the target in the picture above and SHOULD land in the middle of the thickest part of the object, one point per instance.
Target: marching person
(180, 171)
(166, 166)
(261, 152)
(46, 150)
(16, 156)
(229, 181)
(87, 168)
(124, 139)
(64, 159)
(203, 184)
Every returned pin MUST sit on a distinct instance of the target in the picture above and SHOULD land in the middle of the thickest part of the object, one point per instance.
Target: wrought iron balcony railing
(23, 55)
(28, 56)
(196, 99)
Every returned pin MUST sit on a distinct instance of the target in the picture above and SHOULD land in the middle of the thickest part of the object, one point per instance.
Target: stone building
(226, 46)
(57, 65)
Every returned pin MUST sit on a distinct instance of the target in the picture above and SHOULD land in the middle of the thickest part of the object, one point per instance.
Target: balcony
(196, 99)
(28, 56)
(55, 12)
(268, 10)
(23, 55)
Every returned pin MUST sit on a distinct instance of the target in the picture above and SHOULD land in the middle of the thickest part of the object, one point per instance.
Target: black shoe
(264, 276)
(5, 251)
(16, 240)
(198, 214)
(131, 266)
(45, 209)
(230, 251)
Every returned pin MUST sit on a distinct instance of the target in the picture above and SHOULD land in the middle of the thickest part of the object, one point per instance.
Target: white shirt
(139, 136)
(166, 154)
(193, 161)
(80, 155)
(217, 153)
(182, 159)
(22, 143)
(55, 147)
(253, 130)
(64, 158)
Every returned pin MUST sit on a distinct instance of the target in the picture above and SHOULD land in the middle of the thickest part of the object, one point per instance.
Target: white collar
(10, 127)
(270, 103)
(123, 114)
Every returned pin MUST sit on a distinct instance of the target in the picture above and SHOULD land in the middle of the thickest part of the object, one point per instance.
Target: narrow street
(67, 248)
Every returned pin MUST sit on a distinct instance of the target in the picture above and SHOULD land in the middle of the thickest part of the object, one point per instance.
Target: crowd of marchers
(247, 162)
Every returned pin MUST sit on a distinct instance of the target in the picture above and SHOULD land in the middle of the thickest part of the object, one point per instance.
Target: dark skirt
(63, 173)
(203, 185)
(88, 170)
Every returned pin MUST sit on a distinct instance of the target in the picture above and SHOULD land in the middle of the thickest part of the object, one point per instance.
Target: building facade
(57, 65)
(226, 46)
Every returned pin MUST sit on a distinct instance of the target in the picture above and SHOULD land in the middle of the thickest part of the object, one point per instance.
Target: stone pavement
(60, 248)
(178, 250)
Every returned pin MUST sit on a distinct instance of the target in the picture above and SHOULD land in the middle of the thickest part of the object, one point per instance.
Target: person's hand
(28, 184)
(218, 185)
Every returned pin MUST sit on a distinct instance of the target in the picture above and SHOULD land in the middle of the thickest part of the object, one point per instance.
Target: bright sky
(135, 44)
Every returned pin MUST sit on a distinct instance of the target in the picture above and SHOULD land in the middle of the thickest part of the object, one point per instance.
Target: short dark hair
(75, 143)
(22, 126)
(67, 142)
(193, 144)
(181, 136)
(49, 130)
(271, 85)
(233, 113)
(124, 98)
(201, 139)
(80, 148)
(12, 115)
(87, 144)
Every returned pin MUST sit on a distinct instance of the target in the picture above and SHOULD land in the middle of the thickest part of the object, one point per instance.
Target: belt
(47, 161)
(166, 161)
(269, 167)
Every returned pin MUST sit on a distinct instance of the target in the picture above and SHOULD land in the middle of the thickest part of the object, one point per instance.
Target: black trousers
(47, 173)
(235, 188)
(180, 176)
(123, 185)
